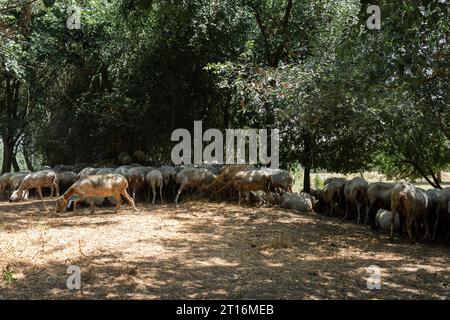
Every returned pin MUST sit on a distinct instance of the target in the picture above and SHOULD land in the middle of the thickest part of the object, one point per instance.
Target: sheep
(355, 197)
(122, 170)
(66, 179)
(100, 186)
(303, 202)
(4, 183)
(169, 186)
(262, 198)
(44, 168)
(333, 192)
(378, 196)
(85, 172)
(281, 179)
(103, 171)
(37, 180)
(16, 179)
(154, 180)
(136, 181)
(442, 212)
(383, 220)
(252, 180)
(192, 177)
(411, 204)
(168, 174)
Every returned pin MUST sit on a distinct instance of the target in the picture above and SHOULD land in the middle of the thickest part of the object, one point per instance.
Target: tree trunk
(8, 153)
(439, 177)
(28, 161)
(307, 140)
(15, 165)
(307, 179)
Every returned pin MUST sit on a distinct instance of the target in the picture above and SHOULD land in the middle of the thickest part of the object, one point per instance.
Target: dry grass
(206, 250)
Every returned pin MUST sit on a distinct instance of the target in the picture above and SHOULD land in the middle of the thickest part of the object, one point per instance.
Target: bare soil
(204, 250)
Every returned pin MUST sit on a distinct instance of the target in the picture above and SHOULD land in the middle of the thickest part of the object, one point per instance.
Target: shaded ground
(208, 250)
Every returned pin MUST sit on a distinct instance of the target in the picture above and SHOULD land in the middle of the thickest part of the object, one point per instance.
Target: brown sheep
(252, 180)
(410, 203)
(97, 186)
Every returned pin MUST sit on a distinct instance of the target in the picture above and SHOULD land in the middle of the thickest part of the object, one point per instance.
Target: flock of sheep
(386, 206)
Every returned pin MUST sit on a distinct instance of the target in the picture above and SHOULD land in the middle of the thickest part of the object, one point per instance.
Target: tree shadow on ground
(222, 251)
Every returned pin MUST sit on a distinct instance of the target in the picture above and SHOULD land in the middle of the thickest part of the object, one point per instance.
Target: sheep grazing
(104, 171)
(15, 181)
(154, 180)
(37, 180)
(65, 180)
(168, 174)
(85, 172)
(252, 180)
(122, 170)
(192, 177)
(223, 185)
(4, 184)
(136, 181)
(97, 186)
(282, 180)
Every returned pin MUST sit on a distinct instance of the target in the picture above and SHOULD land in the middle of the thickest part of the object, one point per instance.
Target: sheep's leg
(178, 194)
(41, 198)
(366, 212)
(358, 208)
(56, 186)
(409, 223)
(347, 205)
(392, 224)
(426, 222)
(436, 223)
(129, 199)
(240, 195)
(160, 192)
(118, 200)
(134, 193)
(148, 194)
(154, 193)
(75, 204)
(91, 203)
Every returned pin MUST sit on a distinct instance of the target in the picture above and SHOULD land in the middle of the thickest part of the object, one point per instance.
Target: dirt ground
(206, 250)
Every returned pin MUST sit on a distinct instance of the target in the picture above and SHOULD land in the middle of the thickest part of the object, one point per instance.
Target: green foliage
(317, 182)
(345, 98)
(8, 276)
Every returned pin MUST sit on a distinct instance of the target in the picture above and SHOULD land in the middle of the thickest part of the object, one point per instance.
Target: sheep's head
(16, 196)
(61, 204)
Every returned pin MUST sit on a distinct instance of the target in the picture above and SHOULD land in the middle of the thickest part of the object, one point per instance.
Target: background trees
(345, 98)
